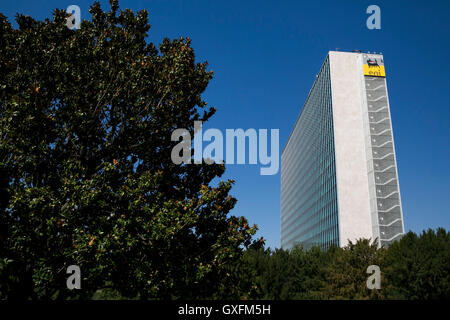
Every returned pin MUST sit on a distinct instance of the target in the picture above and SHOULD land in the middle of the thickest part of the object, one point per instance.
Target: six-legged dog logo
(372, 62)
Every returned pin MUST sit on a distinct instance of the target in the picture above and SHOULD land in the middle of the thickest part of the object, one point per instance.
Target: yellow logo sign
(374, 70)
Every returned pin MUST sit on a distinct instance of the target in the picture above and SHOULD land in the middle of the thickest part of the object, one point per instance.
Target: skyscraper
(339, 178)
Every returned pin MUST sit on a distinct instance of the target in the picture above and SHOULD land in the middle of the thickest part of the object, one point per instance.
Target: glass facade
(309, 212)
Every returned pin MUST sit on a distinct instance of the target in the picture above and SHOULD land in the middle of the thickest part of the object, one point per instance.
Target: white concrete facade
(350, 147)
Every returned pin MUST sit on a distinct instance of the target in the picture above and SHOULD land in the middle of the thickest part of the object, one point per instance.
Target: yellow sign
(374, 70)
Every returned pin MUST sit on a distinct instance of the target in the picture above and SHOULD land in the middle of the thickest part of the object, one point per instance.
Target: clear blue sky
(265, 55)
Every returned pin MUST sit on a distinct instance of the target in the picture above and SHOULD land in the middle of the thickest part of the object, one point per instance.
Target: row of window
(309, 213)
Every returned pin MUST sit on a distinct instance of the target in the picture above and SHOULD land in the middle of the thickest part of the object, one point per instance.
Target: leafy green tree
(241, 277)
(312, 272)
(418, 267)
(415, 267)
(284, 274)
(86, 118)
(346, 274)
(276, 272)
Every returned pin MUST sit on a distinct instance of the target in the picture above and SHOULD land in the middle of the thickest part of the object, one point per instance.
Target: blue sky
(265, 55)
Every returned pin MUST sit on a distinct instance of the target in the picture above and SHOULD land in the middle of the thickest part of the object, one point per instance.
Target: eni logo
(372, 63)
(372, 68)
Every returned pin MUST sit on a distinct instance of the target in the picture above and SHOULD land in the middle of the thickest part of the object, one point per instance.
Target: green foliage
(418, 267)
(415, 267)
(86, 118)
(346, 271)
(283, 274)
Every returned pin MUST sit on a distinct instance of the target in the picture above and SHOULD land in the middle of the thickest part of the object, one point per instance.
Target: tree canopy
(415, 267)
(86, 118)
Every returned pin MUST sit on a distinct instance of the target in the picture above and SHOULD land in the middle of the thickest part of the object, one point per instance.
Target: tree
(312, 272)
(275, 273)
(284, 274)
(418, 266)
(345, 274)
(86, 121)
(415, 267)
